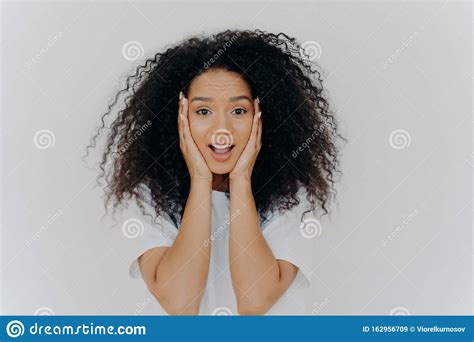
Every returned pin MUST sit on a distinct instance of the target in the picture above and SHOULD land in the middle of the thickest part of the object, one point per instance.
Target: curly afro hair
(298, 139)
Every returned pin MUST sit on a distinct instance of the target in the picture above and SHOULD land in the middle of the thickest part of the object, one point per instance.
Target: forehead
(219, 82)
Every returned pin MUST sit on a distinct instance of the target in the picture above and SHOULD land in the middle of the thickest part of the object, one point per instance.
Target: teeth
(220, 150)
(220, 147)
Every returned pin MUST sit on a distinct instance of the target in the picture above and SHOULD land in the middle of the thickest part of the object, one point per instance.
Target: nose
(221, 121)
(222, 130)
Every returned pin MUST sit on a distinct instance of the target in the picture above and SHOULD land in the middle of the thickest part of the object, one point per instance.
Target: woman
(229, 141)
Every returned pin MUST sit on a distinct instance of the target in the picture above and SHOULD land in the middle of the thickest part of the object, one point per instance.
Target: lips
(221, 154)
(221, 149)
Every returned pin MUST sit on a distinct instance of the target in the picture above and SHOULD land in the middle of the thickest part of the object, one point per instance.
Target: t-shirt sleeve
(290, 240)
(145, 232)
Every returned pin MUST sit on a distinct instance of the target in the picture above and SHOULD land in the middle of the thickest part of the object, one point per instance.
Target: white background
(388, 66)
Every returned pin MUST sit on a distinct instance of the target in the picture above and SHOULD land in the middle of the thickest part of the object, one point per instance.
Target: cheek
(242, 131)
(199, 131)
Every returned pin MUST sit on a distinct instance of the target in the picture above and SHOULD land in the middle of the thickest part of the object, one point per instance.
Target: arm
(177, 275)
(258, 278)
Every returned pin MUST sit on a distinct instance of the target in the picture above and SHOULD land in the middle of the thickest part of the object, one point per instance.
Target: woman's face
(220, 114)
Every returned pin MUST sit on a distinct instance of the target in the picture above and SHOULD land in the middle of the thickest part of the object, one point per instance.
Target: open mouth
(221, 149)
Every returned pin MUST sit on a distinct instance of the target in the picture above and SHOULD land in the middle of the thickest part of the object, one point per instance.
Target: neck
(220, 182)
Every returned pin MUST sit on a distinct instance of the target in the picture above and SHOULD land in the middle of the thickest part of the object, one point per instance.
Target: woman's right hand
(195, 162)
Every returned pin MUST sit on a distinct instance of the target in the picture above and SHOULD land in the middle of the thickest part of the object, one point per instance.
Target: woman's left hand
(244, 166)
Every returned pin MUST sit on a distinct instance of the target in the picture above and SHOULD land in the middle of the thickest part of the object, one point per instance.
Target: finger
(257, 104)
(259, 121)
(259, 133)
(186, 130)
(253, 133)
(180, 104)
(252, 137)
(180, 122)
(190, 143)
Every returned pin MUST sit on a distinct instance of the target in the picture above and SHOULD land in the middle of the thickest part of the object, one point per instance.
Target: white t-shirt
(282, 232)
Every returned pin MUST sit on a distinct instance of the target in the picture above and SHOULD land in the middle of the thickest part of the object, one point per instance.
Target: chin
(222, 169)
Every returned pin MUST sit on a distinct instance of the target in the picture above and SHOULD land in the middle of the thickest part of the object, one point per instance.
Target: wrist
(239, 178)
(201, 182)
(238, 182)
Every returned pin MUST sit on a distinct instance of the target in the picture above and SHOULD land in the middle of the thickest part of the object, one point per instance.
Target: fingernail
(259, 114)
(258, 100)
(182, 117)
(180, 95)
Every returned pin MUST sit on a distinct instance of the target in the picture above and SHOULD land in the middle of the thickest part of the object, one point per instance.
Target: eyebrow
(231, 99)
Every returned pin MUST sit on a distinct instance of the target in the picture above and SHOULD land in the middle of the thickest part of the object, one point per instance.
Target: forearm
(181, 275)
(254, 269)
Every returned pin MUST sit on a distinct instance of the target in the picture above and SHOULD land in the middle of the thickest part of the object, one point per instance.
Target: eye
(203, 111)
(239, 111)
